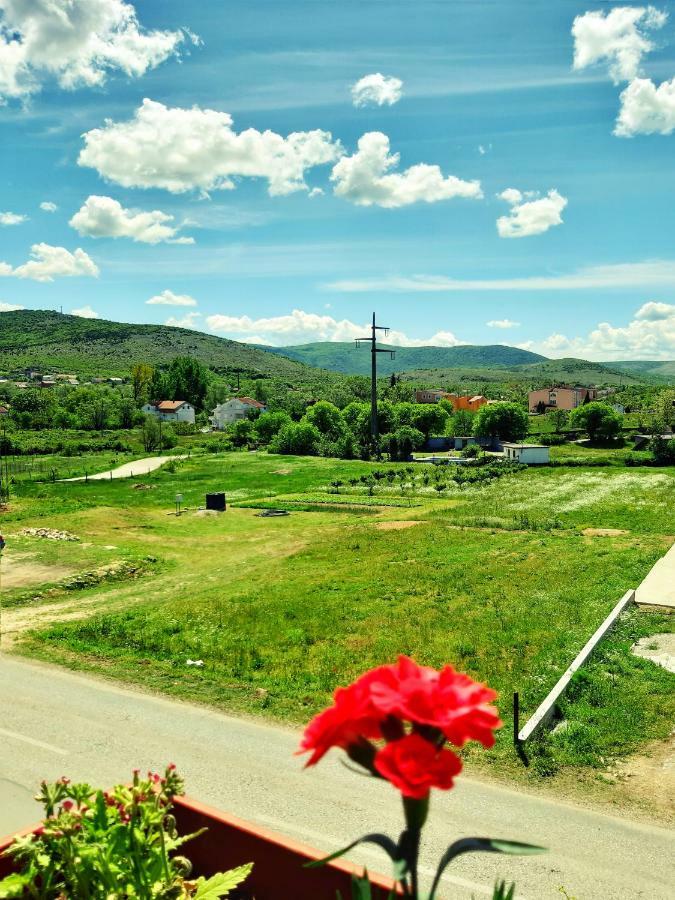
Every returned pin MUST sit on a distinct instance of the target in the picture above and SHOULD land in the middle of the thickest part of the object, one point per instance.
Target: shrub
(298, 438)
(598, 420)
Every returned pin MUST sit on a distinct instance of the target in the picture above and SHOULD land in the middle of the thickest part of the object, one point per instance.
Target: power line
(374, 350)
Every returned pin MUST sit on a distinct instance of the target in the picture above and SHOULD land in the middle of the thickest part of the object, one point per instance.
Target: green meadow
(498, 578)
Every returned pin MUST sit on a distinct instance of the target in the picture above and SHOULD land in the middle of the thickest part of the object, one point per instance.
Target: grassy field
(498, 578)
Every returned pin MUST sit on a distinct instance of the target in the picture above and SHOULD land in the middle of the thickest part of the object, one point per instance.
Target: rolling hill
(45, 340)
(346, 358)
(468, 364)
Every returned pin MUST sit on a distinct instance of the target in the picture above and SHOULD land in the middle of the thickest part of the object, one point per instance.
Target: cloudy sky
(476, 172)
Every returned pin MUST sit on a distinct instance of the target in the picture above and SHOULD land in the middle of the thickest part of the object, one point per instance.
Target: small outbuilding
(528, 454)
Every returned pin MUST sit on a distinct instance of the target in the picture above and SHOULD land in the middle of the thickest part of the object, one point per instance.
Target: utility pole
(374, 350)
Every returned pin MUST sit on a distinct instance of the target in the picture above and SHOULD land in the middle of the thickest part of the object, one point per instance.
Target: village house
(4, 411)
(171, 411)
(234, 410)
(528, 454)
(458, 401)
(563, 397)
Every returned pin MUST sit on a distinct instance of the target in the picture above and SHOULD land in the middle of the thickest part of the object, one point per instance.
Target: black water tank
(216, 501)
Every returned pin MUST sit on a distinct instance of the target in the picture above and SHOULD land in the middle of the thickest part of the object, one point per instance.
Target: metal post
(374, 350)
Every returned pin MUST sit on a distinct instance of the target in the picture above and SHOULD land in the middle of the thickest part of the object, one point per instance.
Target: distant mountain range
(346, 358)
(473, 363)
(45, 340)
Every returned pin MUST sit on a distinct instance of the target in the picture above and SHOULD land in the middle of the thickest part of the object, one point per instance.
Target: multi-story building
(563, 397)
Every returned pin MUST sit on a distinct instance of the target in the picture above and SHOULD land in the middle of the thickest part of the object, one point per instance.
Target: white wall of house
(184, 413)
(529, 454)
(231, 411)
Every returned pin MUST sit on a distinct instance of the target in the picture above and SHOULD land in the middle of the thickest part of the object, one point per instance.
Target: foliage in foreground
(95, 845)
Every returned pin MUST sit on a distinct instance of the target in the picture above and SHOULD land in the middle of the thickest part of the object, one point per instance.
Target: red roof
(249, 401)
(3, 410)
(170, 405)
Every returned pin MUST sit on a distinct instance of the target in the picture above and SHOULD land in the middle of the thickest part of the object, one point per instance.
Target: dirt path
(129, 470)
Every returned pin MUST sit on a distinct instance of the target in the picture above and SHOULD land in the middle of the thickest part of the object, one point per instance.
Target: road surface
(128, 470)
(54, 722)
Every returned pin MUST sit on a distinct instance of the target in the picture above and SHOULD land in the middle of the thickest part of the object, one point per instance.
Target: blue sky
(488, 94)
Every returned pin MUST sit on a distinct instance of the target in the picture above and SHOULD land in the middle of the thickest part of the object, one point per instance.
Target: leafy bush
(118, 843)
(297, 438)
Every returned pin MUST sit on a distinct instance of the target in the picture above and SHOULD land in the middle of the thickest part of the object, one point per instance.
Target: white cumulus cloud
(105, 217)
(502, 323)
(48, 263)
(168, 298)
(85, 312)
(365, 179)
(646, 108)
(48, 206)
(377, 90)
(10, 218)
(9, 307)
(75, 42)
(183, 149)
(299, 327)
(530, 216)
(649, 335)
(619, 38)
(189, 320)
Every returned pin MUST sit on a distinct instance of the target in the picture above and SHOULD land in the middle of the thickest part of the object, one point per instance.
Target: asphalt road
(53, 722)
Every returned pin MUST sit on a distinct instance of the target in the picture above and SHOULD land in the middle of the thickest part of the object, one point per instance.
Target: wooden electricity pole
(374, 350)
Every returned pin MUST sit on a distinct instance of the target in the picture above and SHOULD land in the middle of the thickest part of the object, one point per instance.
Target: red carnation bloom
(414, 765)
(350, 718)
(450, 701)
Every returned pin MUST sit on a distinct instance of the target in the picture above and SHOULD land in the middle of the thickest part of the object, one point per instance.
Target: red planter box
(278, 872)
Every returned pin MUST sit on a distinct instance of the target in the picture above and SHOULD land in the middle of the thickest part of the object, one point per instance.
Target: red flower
(414, 765)
(450, 701)
(378, 704)
(349, 719)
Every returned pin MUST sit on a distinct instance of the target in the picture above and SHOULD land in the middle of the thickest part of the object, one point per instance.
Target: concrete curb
(546, 708)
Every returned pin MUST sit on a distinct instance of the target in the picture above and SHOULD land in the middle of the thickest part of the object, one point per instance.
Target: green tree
(429, 418)
(506, 421)
(298, 438)
(403, 441)
(141, 380)
(150, 433)
(559, 418)
(269, 424)
(327, 418)
(187, 379)
(600, 422)
(461, 424)
(242, 432)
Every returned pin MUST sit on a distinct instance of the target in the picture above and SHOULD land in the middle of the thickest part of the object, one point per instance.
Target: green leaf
(221, 884)
(361, 888)
(381, 840)
(501, 892)
(13, 886)
(484, 845)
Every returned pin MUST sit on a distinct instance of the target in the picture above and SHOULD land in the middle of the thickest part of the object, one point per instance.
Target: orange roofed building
(459, 401)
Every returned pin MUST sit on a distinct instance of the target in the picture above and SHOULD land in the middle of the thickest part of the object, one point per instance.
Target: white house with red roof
(234, 410)
(171, 411)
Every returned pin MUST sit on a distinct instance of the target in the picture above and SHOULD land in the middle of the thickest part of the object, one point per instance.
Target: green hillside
(658, 369)
(49, 341)
(346, 358)
(530, 376)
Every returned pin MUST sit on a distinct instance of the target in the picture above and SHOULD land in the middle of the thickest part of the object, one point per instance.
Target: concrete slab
(659, 648)
(658, 588)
